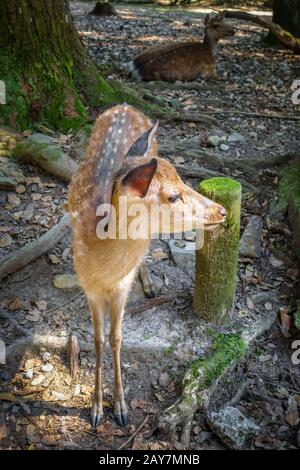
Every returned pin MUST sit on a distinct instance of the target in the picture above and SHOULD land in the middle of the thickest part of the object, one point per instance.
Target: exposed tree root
(284, 37)
(196, 395)
(34, 249)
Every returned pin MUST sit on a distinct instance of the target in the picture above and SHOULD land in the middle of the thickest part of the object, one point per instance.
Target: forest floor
(43, 407)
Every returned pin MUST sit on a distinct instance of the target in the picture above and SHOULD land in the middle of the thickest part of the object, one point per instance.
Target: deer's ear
(138, 180)
(206, 20)
(221, 15)
(142, 145)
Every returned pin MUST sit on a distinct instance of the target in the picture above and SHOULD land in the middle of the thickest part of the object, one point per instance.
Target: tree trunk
(216, 261)
(44, 65)
(286, 13)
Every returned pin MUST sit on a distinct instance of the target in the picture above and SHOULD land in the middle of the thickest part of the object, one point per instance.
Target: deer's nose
(222, 212)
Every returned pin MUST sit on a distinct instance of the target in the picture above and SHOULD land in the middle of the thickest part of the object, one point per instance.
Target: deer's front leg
(115, 338)
(98, 308)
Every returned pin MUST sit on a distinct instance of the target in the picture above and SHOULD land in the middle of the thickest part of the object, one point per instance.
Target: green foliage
(226, 349)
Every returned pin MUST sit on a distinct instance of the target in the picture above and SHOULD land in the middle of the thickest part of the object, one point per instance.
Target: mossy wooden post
(216, 262)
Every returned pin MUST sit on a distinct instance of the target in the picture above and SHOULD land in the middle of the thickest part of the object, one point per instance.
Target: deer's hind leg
(117, 305)
(98, 309)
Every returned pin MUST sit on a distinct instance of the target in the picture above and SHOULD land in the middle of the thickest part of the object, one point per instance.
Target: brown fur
(183, 60)
(106, 268)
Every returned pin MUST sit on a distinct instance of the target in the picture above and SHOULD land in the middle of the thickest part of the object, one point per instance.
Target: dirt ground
(42, 407)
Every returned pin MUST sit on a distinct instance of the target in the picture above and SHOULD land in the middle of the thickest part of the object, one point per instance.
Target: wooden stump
(216, 262)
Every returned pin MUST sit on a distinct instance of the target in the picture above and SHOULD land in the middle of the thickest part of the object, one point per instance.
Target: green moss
(289, 186)
(57, 94)
(226, 349)
(216, 262)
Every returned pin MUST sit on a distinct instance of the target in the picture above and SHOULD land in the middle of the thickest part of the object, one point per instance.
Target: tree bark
(286, 13)
(48, 74)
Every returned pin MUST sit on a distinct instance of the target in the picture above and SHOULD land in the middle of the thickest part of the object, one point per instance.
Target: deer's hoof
(96, 416)
(121, 419)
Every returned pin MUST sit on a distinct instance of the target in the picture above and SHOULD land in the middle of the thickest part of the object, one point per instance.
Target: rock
(6, 183)
(38, 380)
(76, 390)
(137, 293)
(28, 374)
(260, 297)
(183, 253)
(2, 352)
(232, 427)
(214, 141)
(224, 147)
(164, 379)
(54, 259)
(33, 315)
(236, 137)
(250, 243)
(65, 281)
(29, 211)
(59, 396)
(47, 367)
(158, 284)
(5, 240)
(40, 138)
(46, 356)
(253, 135)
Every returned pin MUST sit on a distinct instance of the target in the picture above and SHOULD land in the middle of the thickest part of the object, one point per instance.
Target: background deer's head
(216, 28)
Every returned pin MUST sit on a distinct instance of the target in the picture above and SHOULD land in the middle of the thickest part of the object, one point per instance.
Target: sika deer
(182, 60)
(121, 161)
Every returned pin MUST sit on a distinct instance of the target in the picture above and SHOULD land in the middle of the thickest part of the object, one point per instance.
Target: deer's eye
(174, 197)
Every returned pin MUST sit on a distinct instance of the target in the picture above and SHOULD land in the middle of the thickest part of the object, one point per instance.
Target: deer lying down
(182, 60)
(121, 163)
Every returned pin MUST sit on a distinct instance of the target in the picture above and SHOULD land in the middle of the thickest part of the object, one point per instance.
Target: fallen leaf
(285, 321)
(15, 304)
(250, 304)
(41, 305)
(54, 259)
(138, 403)
(3, 431)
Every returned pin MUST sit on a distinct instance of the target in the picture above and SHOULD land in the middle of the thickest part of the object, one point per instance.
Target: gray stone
(40, 138)
(224, 147)
(260, 297)
(137, 293)
(2, 352)
(28, 374)
(65, 281)
(46, 356)
(232, 427)
(47, 367)
(7, 183)
(183, 253)
(213, 141)
(250, 243)
(236, 137)
(38, 380)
